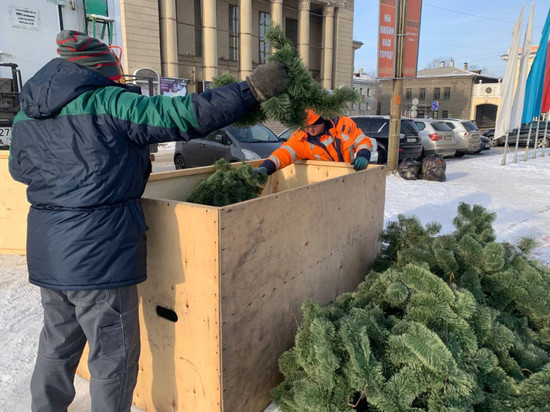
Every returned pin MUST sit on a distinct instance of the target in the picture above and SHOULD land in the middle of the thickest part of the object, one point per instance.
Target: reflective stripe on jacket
(341, 143)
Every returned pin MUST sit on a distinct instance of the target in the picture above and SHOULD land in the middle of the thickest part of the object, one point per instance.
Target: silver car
(467, 136)
(436, 137)
(231, 143)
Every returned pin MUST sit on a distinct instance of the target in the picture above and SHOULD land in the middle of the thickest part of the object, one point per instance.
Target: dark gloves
(360, 163)
(268, 80)
(260, 170)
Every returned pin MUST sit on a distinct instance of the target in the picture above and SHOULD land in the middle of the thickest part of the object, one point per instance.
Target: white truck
(10, 87)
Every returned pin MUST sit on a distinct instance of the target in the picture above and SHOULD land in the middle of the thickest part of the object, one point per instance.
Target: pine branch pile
(452, 322)
(228, 185)
(302, 93)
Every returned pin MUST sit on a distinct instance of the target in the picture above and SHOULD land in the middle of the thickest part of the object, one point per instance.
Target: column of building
(169, 38)
(303, 30)
(245, 38)
(277, 12)
(210, 37)
(328, 46)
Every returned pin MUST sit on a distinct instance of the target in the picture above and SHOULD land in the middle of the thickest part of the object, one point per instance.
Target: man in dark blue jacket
(81, 144)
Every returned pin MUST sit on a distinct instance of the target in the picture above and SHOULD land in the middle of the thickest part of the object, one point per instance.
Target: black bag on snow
(433, 168)
(409, 169)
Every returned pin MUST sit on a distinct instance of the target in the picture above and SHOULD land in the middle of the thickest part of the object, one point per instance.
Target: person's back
(85, 178)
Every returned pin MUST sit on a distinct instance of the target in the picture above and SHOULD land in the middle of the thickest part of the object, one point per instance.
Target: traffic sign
(415, 101)
(435, 105)
(414, 113)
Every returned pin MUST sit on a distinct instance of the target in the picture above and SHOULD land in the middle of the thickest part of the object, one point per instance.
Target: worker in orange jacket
(338, 140)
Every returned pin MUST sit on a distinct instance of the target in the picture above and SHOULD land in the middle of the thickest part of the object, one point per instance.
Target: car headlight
(250, 155)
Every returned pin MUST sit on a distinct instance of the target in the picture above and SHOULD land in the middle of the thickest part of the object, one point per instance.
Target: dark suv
(379, 128)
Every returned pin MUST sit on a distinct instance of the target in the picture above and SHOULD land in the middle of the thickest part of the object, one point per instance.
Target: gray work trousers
(108, 320)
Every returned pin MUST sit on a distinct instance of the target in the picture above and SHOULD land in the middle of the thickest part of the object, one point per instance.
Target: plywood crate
(236, 276)
(13, 211)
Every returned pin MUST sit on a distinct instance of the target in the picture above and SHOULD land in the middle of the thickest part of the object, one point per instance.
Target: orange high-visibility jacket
(342, 143)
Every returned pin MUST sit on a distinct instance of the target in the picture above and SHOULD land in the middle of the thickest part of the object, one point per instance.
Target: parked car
(523, 136)
(231, 143)
(485, 144)
(467, 136)
(378, 127)
(285, 135)
(437, 137)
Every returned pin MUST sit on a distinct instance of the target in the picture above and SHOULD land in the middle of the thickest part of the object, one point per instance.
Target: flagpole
(536, 146)
(528, 140)
(517, 144)
(503, 162)
(545, 135)
(519, 98)
(502, 125)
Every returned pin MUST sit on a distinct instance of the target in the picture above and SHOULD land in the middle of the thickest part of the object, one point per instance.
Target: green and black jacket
(81, 144)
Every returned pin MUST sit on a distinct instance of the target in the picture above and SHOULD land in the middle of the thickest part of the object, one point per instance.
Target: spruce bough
(454, 322)
(303, 92)
(228, 185)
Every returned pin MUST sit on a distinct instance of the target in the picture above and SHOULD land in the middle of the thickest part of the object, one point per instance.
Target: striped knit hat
(88, 52)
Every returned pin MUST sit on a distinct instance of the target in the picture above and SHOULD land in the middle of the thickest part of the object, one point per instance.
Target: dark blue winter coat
(80, 143)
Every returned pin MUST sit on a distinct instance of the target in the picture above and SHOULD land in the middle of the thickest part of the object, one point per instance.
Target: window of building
(437, 93)
(409, 94)
(233, 32)
(422, 94)
(265, 20)
(447, 93)
(445, 114)
(198, 28)
(368, 92)
(291, 30)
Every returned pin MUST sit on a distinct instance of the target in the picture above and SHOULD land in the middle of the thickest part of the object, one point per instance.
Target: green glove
(268, 80)
(260, 170)
(360, 163)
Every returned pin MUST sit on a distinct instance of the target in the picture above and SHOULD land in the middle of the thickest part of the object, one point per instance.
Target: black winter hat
(88, 52)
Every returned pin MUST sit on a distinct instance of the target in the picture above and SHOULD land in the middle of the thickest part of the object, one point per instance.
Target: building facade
(200, 39)
(369, 90)
(194, 39)
(442, 92)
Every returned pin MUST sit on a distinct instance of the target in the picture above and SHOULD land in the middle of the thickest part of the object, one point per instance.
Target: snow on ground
(518, 193)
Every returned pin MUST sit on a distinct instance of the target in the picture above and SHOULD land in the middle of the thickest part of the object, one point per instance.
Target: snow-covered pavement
(518, 193)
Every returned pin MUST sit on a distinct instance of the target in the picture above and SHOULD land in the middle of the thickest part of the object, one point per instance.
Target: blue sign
(435, 105)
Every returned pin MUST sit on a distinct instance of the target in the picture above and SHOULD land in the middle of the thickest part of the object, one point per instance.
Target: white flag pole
(545, 135)
(502, 125)
(517, 107)
(528, 141)
(536, 146)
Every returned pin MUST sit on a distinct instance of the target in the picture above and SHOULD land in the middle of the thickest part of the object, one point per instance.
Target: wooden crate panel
(13, 211)
(315, 242)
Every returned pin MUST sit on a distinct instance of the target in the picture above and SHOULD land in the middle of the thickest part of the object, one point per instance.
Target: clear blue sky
(473, 31)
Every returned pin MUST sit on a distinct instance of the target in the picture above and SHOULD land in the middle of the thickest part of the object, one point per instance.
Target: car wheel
(543, 143)
(460, 154)
(179, 162)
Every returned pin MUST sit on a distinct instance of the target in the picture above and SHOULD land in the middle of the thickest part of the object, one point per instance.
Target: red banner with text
(386, 38)
(412, 26)
(387, 31)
